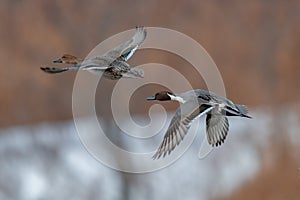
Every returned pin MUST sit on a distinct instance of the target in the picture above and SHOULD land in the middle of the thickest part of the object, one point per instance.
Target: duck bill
(57, 61)
(151, 98)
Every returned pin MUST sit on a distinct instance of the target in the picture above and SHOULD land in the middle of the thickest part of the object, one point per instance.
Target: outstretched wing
(216, 129)
(179, 127)
(126, 50)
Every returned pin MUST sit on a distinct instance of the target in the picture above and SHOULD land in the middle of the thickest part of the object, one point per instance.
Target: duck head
(68, 59)
(162, 96)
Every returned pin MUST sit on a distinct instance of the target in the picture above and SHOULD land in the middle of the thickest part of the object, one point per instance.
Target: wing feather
(217, 127)
(178, 128)
(125, 50)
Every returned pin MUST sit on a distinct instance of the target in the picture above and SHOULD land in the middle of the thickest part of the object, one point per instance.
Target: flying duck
(196, 103)
(112, 64)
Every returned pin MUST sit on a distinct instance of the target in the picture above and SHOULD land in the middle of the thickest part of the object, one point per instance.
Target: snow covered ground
(48, 161)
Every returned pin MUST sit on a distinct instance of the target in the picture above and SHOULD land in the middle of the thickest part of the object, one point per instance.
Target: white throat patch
(176, 98)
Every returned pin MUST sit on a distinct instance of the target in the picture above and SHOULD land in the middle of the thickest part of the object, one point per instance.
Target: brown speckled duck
(112, 64)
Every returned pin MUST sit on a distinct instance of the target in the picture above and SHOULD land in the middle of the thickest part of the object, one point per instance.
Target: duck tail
(243, 110)
(134, 73)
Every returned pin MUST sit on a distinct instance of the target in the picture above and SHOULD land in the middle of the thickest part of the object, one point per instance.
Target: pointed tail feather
(244, 110)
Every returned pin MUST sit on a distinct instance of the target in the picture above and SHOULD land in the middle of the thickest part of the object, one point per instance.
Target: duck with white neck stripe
(195, 103)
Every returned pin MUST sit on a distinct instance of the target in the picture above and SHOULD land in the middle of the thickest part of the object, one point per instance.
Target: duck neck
(177, 98)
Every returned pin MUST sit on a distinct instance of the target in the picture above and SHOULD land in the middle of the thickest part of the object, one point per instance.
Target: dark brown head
(68, 59)
(162, 96)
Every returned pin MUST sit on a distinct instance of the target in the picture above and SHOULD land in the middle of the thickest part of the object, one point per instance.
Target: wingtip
(154, 157)
(157, 155)
(141, 29)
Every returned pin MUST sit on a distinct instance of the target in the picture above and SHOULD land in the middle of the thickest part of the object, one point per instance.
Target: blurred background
(255, 45)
